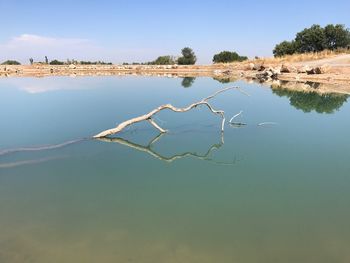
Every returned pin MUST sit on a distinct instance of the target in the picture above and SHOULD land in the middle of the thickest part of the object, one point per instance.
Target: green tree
(164, 60)
(336, 36)
(285, 48)
(56, 62)
(311, 39)
(31, 61)
(227, 56)
(46, 60)
(10, 62)
(188, 57)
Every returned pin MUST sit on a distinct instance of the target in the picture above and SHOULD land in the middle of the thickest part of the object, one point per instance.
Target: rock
(303, 69)
(285, 68)
(325, 68)
(258, 67)
(72, 66)
(251, 66)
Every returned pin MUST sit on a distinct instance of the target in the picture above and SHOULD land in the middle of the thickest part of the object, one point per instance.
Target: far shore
(334, 73)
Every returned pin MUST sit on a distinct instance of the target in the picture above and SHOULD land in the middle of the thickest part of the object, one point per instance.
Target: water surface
(270, 193)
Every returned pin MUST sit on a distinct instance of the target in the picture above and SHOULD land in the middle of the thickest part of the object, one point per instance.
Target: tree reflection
(188, 82)
(309, 101)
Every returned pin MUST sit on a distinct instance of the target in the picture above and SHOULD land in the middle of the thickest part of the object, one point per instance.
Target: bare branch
(235, 116)
(151, 121)
(149, 115)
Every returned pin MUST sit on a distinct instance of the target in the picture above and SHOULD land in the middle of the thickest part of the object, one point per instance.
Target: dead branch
(149, 115)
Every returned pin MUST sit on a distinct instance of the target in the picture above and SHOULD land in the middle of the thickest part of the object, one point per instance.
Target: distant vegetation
(227, 56)
(11, 62)
(56, 62)
(315, 39)
(188, 57)
(163, 60)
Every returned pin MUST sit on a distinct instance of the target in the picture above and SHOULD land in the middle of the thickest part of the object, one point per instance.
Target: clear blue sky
(136, 30)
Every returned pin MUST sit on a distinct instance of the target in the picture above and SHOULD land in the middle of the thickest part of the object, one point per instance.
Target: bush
(11, 62)
(188, 57)
(227, 56)
(163, 60)
(56, 62)
(285, 48)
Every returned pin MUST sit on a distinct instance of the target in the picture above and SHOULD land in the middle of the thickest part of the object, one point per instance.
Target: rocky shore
(337, 76)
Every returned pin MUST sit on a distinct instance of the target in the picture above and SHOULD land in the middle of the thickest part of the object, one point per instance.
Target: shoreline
(336, 79)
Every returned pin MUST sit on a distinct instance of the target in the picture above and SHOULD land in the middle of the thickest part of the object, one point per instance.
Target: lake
(276, 192)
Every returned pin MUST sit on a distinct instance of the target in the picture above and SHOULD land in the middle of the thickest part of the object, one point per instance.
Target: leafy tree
(315, 39)
(311, 39)
(187, 82)
(56, 62)
(188, 57)
(164, 60)
(227, 56)
(337, 36)
(10, 62)
(31, 61)
(285, 48)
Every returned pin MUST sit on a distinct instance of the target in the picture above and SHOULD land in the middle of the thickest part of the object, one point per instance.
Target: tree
(164, 60)
(285, 48)
(315, 39)
(227, 56)
(337, 36)
(46, 60)
(188, 57)
(10, 62)
(56, 62)
(31, 61)
(311, 39)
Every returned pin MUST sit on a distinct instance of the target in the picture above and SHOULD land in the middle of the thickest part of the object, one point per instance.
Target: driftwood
(149, 116)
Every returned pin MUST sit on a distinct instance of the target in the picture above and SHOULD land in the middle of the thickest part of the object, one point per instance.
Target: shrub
(10, 62)
(227, 56)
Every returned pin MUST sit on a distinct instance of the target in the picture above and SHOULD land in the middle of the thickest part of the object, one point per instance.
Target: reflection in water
(149, 149)
(223, 80)
(309, 101)
(187, 82)
(143, 148)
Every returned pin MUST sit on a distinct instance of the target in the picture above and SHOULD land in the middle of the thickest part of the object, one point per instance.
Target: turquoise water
(271, 193)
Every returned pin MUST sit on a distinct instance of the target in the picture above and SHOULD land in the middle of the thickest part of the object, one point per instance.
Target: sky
(138, 31)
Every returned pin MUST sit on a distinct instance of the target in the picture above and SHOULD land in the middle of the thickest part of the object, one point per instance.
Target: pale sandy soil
(337, 77)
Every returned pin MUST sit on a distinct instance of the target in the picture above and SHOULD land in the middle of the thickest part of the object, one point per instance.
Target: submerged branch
(149, 115)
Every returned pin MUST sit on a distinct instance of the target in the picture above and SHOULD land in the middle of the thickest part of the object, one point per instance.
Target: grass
(301, 57)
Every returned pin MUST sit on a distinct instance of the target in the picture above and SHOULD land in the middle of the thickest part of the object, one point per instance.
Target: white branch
(235, 116)
(151, 121)
(149, 115)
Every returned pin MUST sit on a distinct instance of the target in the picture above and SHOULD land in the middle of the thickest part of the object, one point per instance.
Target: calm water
(273, 193)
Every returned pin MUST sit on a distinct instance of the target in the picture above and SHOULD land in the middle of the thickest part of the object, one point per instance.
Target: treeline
(188, 57)
(75, 62)
(315, 39)
(68, 62)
